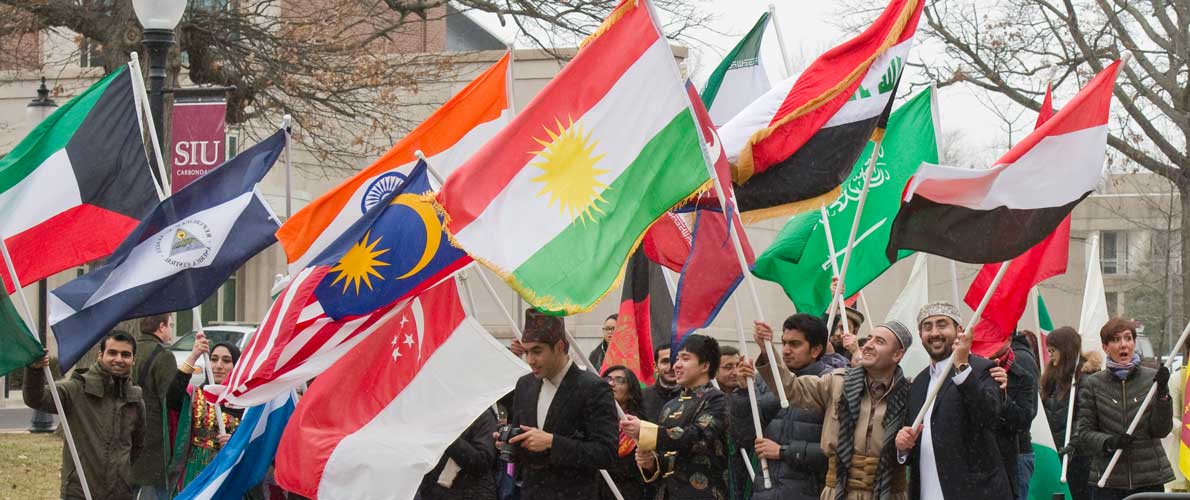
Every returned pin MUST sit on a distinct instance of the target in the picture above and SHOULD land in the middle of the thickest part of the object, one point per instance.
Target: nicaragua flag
(242, 464)
(178, 255)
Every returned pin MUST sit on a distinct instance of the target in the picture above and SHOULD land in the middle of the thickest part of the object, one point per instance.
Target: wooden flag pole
(836, 291)
(49, 374)
(750, 383)
(878, 139)
(936, 385)
(1140, 412)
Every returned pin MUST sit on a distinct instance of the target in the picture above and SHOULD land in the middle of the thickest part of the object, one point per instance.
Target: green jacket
(150, 468)
(1106, 406)
(107, 419)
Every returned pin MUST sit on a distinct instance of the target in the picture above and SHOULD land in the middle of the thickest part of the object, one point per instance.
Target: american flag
(297, 341)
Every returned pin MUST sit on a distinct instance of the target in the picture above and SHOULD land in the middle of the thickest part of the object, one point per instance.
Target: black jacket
(800, 473)
(582, 418)
(475, 453)
(691, 446)
(655, 397)
(964, 436)
(1106, 406)
(1016, 416)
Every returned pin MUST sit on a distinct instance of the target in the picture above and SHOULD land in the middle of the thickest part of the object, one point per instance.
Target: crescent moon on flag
(433, 229)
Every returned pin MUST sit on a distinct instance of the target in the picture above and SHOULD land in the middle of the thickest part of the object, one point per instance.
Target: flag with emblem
(178, 255)
(413, 388)
(394, 252)
(73, 188)
(559, 199)
(740, 78)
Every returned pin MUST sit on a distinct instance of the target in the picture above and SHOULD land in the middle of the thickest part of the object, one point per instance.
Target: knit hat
(541, 327)
(901, 331)
(940, 308)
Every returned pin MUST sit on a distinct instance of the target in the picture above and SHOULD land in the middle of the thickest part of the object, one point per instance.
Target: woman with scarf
(627, 392)
(1066, 363)
(1107, 404)
(198, 438)
(864, 405)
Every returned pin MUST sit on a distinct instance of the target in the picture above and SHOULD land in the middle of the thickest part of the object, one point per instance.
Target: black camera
(507, 432)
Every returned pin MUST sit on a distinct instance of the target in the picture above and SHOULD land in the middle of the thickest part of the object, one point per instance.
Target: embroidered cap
(940, 308)
(541, 327)
(901, 331)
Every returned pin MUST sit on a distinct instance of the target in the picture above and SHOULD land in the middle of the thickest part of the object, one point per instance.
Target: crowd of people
(566, 432)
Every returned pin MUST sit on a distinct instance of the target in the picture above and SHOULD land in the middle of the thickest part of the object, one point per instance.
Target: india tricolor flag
(559, 199)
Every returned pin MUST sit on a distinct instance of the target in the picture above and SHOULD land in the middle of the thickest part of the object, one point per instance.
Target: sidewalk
(14, 415)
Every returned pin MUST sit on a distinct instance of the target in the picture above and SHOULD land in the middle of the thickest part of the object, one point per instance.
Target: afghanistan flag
(739, 79)
(560, 198)
(795, 145)
(996, 214)
(644, 317)
(18, 346)
(77, 184)
(799, 259)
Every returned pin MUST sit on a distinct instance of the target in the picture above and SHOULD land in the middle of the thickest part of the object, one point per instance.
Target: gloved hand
(1065, 450)
(1161, 379)
(1118, 441)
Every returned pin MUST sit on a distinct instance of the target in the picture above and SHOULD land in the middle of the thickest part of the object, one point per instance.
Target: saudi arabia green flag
(1043, 315)
(739, 79)
(18, 346)
(798, 258)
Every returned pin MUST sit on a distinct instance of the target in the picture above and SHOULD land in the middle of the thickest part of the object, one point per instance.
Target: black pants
(1098, 493)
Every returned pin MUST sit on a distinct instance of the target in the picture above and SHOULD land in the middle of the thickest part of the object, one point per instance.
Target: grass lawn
(29, 466)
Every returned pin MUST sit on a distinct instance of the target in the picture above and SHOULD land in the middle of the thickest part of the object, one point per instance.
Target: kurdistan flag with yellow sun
(558, 200)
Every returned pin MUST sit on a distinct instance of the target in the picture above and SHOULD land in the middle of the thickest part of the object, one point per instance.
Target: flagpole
(1070, 417)
(510, 86)
(750, 383)
(936, 385)
(878, 137)
(206, 359)
(1034, 293)
(138, 88)
(49, 374)
(134, 72)
(285, 125)
(863, 300)
(1140, 412)
(837, 290)
(954, 282)
(781, 41)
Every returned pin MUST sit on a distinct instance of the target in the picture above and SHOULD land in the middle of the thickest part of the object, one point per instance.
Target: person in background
(743, 435)
(153, 373)
(465, 470)
(843, 348)
(627, 393)
(1066, 363)
(665, 386)
(106, 414)
(599, 352)
(1107, 403)
(1016, 416)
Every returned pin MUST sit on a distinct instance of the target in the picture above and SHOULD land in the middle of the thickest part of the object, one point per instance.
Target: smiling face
(665, 368)
(221, 364)
(937, 336)
(117, 357)
(690, 371)
(882, 351)
(1121, 347)
(726, 376)
(544, 359)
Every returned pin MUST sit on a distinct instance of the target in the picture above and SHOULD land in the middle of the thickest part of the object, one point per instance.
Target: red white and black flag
(995, 214)
(797, 143)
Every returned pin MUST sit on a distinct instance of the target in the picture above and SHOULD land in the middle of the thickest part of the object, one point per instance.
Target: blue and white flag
(177, 257)
(243, 463)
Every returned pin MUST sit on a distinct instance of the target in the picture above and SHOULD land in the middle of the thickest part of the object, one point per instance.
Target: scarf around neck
(895, 412)
(1121, 370)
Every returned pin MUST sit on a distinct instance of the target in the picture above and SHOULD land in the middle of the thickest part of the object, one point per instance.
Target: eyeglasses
(609, 328)
(616, 379)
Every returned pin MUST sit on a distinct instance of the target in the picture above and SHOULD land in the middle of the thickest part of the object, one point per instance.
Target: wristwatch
(961, 366)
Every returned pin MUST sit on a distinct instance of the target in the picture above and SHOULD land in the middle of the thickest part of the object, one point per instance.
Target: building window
(219, 307)
(1113, 249)
(90, 53)
(1113, 303)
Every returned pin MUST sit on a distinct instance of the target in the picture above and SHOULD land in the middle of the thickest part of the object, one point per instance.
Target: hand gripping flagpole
(1140, 412)
(936, 385)
(836, 291)
(206, 359)
(49, 374)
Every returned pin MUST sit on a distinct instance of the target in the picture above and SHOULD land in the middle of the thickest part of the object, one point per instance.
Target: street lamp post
(158, 17)
(36, 111)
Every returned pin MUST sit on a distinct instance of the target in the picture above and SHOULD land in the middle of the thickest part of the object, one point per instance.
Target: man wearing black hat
(566, 416)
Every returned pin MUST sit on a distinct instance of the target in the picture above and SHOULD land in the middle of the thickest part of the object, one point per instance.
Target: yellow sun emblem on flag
(359, 264)
(568, 174)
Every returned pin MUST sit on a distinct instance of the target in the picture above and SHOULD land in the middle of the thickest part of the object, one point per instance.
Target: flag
(710, 275)
(1094, 313)
(995, 214)
(376, 422)
(243, 462)
(740, 78)
(18, 346)
(394, 252)
(799, 258)
(1047, 464)
(176, 257)
(1045, 324)
(1184, 429)
(796, 144)
(667, 242)
(1008, 302)
(558, 200)
(643, 319)
(449, 136)
(915, 294)
(73, 188)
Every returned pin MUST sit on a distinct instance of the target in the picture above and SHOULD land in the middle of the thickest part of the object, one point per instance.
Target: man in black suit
(957, 455)
(567, 417)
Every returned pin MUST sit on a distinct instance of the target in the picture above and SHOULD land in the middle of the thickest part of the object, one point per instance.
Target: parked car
(236, 333)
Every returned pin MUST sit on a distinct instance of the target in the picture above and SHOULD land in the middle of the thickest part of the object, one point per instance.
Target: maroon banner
(199, 139)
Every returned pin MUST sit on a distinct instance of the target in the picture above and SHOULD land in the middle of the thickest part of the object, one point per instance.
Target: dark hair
(635, 395)
(727, 350)
(1114, 327)
(118, 336)
(706, 349)
(231, 348)
(149, 324)
(1056, 379)
(613, 317)
(657, 351)
(811, 326)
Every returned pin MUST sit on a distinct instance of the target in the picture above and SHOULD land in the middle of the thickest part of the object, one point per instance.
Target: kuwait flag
(18, 346)
(378, 420)
(795, 145)
(739, 79)
(996, 214)
(448, 137)
(560, 198)
(77, 184)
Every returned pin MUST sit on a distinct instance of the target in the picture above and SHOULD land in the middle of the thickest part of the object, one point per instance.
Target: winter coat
(153, 372)
(1016, 416)
(655, 397)
(474, 452)
(800, 472)
(689, 442)
(107, 419)
(1106, 406)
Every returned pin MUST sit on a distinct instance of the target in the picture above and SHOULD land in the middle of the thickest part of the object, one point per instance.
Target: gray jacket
(1106, 406)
